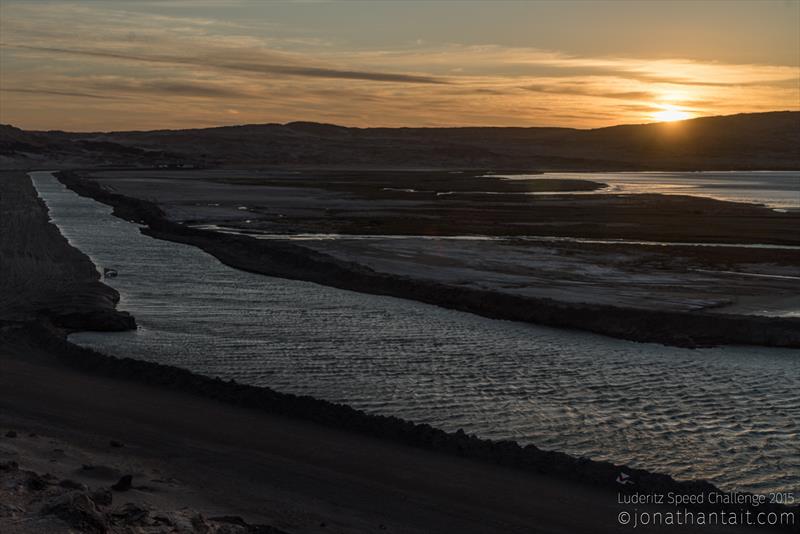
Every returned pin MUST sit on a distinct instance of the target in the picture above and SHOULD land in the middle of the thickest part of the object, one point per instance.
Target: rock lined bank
(41, 275)
(510, 454)
(288, 260)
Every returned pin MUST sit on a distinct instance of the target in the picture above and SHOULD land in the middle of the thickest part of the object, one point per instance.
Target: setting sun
(671, 113)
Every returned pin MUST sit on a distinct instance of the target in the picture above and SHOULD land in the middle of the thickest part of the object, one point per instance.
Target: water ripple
(730, 415)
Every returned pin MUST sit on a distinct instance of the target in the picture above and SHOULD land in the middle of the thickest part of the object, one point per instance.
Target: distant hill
(745, 141)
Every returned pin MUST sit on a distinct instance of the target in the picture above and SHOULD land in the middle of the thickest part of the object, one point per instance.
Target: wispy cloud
(563, 89)
(167, 88)
(231, 63)
(54, 93)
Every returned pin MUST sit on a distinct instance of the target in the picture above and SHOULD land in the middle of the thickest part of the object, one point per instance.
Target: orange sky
(193, 63)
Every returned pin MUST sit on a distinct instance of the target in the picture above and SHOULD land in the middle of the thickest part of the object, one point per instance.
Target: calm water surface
(776, 189)
(730, 415)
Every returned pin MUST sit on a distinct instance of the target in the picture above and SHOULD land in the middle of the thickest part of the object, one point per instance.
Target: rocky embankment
(43, 277)
(288, 260)
(504, 453)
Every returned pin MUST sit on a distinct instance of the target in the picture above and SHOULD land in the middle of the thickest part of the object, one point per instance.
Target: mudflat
(392, 202)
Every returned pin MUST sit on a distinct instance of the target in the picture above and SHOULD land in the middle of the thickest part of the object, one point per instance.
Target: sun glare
(671, 113)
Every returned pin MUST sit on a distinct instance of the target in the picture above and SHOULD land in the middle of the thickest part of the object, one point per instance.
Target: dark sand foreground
(70, 430)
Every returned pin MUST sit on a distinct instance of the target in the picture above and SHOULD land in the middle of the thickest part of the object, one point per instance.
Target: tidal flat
(531, 238)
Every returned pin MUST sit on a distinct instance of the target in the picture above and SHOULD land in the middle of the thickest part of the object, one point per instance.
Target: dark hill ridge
(745, 141)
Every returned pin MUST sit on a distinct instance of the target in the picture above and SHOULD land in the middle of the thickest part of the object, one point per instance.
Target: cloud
(55, 93)
(583, 91)
(167, 88)
(244, 66)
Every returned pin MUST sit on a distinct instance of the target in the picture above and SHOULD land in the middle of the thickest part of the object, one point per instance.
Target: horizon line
(243, 125)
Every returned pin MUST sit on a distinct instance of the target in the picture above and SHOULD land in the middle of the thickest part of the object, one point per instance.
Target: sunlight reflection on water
(776, 189)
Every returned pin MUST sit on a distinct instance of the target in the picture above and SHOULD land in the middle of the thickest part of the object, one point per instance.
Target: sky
(151, 64)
